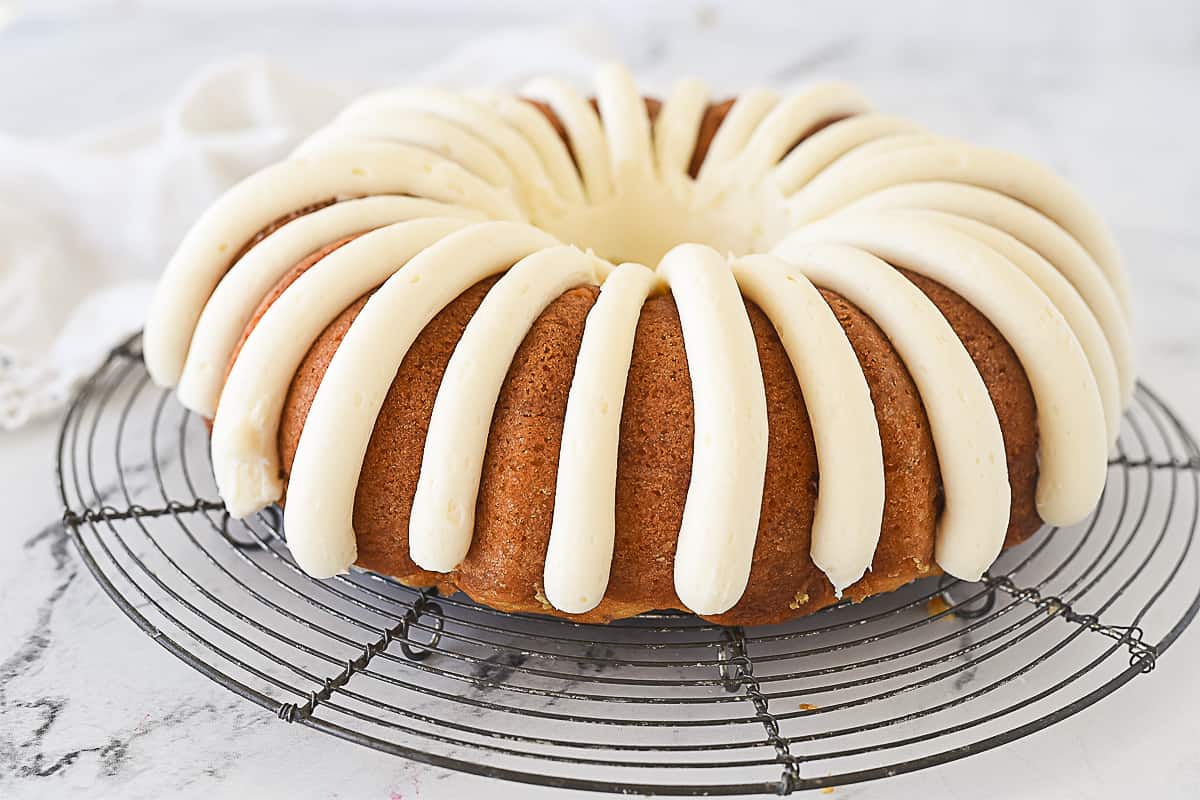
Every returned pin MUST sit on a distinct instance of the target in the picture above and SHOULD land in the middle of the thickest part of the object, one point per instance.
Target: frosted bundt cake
(597, 357)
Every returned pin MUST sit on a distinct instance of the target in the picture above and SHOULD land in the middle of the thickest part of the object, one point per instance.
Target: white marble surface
(1105, 92)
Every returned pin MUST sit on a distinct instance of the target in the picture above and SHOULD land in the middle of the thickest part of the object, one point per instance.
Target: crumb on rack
(808, 707)
(938, 605)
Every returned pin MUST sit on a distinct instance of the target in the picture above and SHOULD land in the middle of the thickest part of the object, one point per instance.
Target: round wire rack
(660, 704)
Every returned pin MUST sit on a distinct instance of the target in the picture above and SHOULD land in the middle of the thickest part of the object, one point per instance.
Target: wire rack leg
(737, 674)
(293, 712)
(1129, 635)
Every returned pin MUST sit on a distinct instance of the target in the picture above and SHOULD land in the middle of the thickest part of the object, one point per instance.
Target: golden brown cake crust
(503, 567)
(714, 115)
(516, 497)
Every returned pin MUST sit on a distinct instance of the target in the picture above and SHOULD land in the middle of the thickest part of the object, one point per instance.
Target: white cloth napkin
(87, 223)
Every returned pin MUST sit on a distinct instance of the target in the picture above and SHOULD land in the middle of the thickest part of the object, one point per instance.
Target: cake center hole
(643, 224)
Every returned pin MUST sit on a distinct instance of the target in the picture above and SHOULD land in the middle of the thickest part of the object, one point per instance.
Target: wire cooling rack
(661, 704)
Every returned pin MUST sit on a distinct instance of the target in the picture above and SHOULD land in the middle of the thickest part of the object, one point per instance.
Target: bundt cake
(597, 357)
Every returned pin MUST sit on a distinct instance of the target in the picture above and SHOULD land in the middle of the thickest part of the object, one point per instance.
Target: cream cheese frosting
(207, 251)
(583, 529)
(797, 193)
(245, 428)
(1072, 451)
(443, 512)
(1039, 233)
(249, 280)
(324, 476)
(966, 431)
(729, 454)
(850, 495)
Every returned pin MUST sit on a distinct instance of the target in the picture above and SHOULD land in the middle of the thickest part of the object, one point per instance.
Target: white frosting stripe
(1006, 173)
(534, 126)
(1064, 297)
(677, 128)
(966, 432)
(245, 285)
(419, 129)
(244, 447)
(1072, 450)
(584, 131)
(850, 497)
(325, 472)
(744, 117)
(729, 458)
(474, 117)
(1038, 232)
(443, 510)
(626, 127)
(868, 152)
(791, 120)
(205, 253)
(831, 143)
(583, 529)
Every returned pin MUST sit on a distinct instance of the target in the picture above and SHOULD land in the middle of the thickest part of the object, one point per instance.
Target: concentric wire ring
(661, 704)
